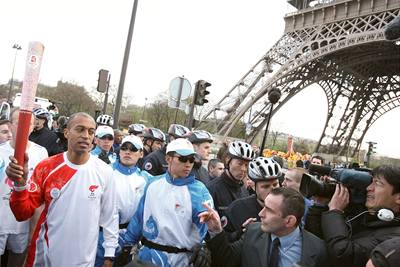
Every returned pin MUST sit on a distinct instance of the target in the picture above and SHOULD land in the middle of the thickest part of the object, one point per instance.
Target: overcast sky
(217, 41)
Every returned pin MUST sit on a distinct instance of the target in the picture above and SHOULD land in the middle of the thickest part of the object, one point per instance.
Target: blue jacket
(168, 215)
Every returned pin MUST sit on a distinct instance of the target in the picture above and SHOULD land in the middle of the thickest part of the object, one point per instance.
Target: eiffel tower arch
(338, 45)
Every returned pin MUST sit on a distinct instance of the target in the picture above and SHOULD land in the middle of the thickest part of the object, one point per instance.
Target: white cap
(181, 146)
(134, 140)
(103, 130)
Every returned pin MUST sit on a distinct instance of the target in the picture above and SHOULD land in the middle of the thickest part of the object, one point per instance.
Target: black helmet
(136, 128)
(154, 134)
(200, 136)
(178, 131)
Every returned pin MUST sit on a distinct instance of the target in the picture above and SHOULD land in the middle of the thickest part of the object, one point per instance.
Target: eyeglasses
(184, 159)
(107, 137)
(131, 148)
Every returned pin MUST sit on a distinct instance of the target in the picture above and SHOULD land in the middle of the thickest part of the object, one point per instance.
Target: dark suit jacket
(252, 249)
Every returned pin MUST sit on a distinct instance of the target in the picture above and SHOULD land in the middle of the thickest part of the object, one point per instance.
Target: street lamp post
(273, 96)
(125, 64)
(144, 108)
(16, 47)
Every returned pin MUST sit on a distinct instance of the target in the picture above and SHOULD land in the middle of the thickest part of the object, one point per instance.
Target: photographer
(351, 240)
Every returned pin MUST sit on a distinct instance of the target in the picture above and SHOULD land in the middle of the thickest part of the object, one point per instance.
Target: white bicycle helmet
(154, 134)
(105, 120)
(241, 150)
(263, 169)
(178, 131)
(41, 113)
(200, 136)
(136, 128)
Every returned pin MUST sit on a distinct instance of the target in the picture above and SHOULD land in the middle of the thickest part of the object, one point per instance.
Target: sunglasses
(107, 137)
(131, 148)
(184, 159)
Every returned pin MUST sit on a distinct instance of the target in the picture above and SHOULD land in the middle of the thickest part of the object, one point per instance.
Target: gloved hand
(125, 257)
(201, 257)
(104, 157)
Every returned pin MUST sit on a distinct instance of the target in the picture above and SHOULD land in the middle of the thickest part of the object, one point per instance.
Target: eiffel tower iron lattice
(340, 46)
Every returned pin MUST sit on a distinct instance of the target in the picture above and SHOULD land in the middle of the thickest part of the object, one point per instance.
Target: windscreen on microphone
(385, 215)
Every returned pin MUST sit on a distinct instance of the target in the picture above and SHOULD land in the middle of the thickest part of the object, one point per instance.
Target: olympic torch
(29, 86)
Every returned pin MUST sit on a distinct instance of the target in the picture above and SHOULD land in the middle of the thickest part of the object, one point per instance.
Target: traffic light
(200, 92)
(102, 84)
(371, 148)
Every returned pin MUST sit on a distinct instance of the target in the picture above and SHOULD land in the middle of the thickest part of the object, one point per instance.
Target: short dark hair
(292, 204)
(299, 163)
(4, 122)
(391, 174)
(213, 163)
(318, 157)
(78, 114)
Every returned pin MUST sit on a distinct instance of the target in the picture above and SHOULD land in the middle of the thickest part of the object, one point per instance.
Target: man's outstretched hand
(211, 218)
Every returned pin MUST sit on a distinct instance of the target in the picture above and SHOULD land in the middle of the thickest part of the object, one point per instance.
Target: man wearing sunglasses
(130, 182)
(167, 219)
(104, 141)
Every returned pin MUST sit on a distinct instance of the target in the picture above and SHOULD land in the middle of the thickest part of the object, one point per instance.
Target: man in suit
(277, 241)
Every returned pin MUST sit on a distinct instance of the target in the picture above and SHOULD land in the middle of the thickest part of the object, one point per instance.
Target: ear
(66, 132)
(291, 221)
(397, 199)
(227, 160)
(168, 158)
(141, 154)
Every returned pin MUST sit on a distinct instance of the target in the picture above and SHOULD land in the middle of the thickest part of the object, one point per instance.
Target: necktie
(274, 256)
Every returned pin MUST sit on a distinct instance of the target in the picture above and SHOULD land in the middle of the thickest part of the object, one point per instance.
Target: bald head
(293, 178)
(74, 116)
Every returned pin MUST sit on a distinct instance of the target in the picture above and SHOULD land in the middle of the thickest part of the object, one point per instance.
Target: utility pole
(125, 65)
(16, 47)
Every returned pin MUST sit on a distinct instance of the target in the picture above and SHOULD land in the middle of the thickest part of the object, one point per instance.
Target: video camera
(356, 180)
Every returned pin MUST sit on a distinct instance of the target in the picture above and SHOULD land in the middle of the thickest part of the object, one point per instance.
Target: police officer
(264, 172)
(229, 186)
(201, 141)
(155, 162)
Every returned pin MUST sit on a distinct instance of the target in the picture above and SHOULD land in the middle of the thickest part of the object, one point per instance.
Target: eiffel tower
(338, 45)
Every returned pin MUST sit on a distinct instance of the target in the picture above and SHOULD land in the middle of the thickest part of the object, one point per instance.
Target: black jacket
(155, 163)
(251, 249)
(224, 190)
(47, 139)
(353, 249)
(201, 174)
(240, 210)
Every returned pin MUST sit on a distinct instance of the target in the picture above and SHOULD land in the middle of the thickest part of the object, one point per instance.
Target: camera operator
(318, 160)
(351, 240)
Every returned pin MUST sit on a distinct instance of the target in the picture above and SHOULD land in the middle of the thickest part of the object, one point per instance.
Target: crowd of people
(90, 195)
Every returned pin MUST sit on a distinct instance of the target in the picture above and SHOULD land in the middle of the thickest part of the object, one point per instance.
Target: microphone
(385, 215)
